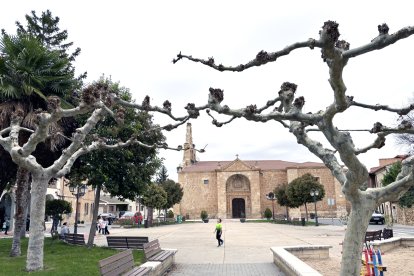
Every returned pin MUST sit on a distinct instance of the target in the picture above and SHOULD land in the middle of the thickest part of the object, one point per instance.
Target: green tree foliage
(162, 175)
(58, 207)
(267, 213)
(174, 193)
(46, 29)
(154, 197)
(124, 172)
(282, 198)
(298, 191)
(406, 200)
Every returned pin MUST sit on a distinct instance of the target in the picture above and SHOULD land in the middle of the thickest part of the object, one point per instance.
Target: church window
(205, 181)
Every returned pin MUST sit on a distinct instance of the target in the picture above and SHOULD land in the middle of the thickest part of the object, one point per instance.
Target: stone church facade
(232, 189)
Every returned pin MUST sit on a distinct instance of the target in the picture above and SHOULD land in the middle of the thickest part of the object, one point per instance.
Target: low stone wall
(389, 244)
(286, 258)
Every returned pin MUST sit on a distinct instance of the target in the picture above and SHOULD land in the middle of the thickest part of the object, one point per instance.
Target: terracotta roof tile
(207, 166)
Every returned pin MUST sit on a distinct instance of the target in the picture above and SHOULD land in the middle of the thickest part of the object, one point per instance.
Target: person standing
(6, 225)
(219, 231)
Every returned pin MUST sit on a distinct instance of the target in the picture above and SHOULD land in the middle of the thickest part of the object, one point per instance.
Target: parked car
(377, 217)
(128, 215)
(111, 217)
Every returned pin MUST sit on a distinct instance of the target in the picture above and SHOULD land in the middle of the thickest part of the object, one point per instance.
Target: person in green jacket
(219, 230)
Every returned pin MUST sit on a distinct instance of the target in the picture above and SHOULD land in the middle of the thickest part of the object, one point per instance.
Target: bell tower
(189, 156)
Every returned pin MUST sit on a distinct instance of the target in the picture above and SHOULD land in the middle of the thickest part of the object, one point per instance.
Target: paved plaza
(246, 249)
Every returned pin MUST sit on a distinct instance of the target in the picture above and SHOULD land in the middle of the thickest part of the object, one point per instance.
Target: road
(398, 229)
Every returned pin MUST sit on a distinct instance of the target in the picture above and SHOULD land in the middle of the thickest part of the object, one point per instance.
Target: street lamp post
(271, 196)
(314, 193)
(78, 192)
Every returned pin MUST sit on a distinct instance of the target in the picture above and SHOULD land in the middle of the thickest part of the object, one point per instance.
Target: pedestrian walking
(101, 226)
(219, 231)
(106, 222)
(6, 225)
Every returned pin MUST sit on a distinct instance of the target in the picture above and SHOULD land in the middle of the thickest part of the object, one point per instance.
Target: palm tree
(29, 73)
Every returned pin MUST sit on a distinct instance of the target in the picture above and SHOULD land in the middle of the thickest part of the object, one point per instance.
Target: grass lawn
(59, 258)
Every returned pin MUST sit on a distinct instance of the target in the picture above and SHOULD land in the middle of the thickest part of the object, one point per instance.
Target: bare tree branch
(378, 143)
(261, 58)
(381, 41)
(399, 111)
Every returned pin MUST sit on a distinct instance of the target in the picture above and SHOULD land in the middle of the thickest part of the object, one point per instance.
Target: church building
(238, 188)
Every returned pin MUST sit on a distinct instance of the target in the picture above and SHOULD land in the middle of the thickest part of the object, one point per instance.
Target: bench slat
(77, 239)
(161, 256)
(138, 271)
(117, 264)
(152, 248)
(126, 242)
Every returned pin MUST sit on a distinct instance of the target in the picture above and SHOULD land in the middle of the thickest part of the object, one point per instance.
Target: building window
(86, 209)
(205, 181)
(92, 207)
(111, 208)
(318, 179)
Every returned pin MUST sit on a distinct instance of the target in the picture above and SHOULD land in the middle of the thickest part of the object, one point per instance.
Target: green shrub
(170, 214)
(268, 213)
(124, 221)
(204, 215)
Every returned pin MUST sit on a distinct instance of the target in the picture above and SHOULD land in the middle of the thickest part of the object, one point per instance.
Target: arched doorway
(238, 196)
(238, 208)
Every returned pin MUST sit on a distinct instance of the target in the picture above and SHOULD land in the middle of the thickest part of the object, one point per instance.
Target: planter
(242, 220)
(205, 220)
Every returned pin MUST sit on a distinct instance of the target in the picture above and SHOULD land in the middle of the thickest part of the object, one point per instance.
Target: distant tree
(174, 193)
(154, 197)
(46, 29)
(56, 208)
(162, 175)
(298, 191)
(283, 200)
(407, 199)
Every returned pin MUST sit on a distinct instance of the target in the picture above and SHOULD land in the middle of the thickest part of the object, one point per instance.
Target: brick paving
(256, 269)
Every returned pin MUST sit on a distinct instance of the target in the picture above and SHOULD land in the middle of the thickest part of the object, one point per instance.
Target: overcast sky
(135, 41)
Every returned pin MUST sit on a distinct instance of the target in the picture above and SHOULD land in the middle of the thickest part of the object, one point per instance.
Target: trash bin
(312, 215)
(146, 223)
(303, 221)
(179, 219)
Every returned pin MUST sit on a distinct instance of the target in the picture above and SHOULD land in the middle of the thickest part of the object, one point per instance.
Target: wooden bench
(154, 253)
(122, 264)
(78, 239)
(373, 235)
(126, 242)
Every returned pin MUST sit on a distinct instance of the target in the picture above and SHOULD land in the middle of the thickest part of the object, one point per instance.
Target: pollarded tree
(98, 101)
(298, 191)
(283, 200)
(336, 54)
(124, 173)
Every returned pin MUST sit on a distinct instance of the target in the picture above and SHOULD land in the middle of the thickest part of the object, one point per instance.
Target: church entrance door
(238, 207)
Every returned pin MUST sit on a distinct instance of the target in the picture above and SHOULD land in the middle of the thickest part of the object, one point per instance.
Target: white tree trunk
(92, 231)
(361, 213)
(37, 216)
(22, 196)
